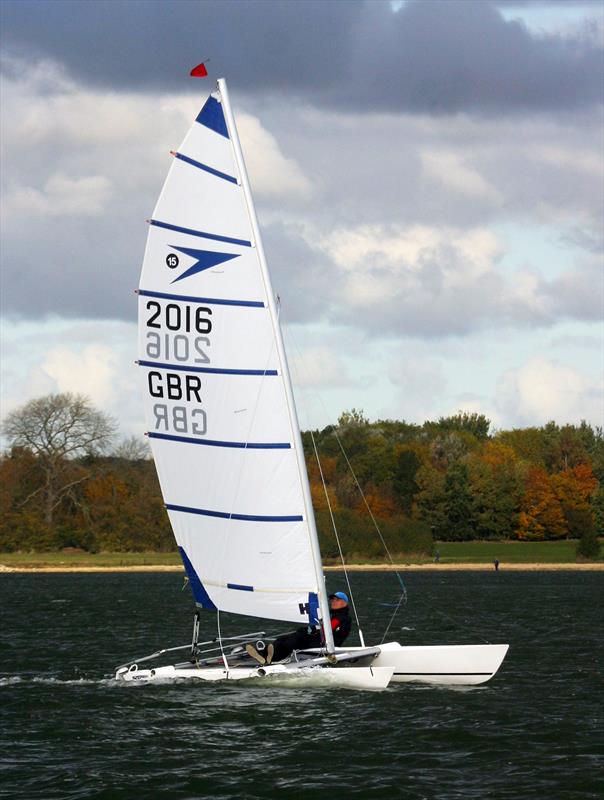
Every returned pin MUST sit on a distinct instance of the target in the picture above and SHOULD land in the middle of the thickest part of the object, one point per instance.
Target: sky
(428, 175)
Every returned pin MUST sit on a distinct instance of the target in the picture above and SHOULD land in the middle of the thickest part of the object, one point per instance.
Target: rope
(391, 620)
(373, 519)
(335, 530)
(403, 595)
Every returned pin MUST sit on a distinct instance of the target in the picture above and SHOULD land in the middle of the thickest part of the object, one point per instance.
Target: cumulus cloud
(60, 196)
(449, 169)
(73, 356)
(543, 389)
(93, 366)
(271, 173)
(82, 172)
(384, 189)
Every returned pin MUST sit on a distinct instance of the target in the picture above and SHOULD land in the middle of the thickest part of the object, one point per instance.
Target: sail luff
(299, 450)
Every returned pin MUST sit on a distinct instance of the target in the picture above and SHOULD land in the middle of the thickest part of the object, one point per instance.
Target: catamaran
(226, 441)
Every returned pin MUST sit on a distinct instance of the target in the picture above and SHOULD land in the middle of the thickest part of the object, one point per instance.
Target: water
(68, 731)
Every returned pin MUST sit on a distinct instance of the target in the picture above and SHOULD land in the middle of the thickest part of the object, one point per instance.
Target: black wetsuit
(302, 639)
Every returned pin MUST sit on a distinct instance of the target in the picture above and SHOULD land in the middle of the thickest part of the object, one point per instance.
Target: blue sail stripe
(213, 370)
(209, 300)
(200, 593)
(243, 517)
(205, 168)
(240, 586)
(203, 234)
(215, 443)
(212, 116)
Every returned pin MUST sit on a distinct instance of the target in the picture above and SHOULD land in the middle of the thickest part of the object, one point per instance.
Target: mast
(314, 539)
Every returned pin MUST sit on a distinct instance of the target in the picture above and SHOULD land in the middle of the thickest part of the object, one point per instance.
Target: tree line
(389, 483)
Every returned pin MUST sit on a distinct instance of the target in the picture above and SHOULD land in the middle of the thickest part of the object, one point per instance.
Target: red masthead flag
(199, 71)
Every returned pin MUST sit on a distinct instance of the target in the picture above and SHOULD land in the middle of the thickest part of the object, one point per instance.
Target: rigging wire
(335, 530)
(373, 519)
(403, 595)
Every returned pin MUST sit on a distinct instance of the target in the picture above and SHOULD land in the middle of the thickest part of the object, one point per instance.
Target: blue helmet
(340, 596)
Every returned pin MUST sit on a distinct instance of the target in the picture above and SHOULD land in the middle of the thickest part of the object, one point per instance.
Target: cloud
(73, 356)
(93, 366)
(438, 57)
(271, 173)
(543, 389)
(82, 170)
(318, 367)
(60, 196)
(79, 185)
(421, 382)
(449, 169)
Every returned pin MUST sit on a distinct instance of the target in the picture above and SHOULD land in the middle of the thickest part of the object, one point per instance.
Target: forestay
(223, 434)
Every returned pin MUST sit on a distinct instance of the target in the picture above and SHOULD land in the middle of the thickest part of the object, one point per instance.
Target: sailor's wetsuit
(303, 638)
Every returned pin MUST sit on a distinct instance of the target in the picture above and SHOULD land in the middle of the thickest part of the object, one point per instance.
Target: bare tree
(133, 448)
(57, 429)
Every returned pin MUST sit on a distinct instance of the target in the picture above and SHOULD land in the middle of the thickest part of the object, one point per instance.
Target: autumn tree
(541, 515)
(58, 429)
(496, 483)
(575, 489)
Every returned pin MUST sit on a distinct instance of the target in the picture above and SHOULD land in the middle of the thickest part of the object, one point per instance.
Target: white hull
(368, 678)
(449, 665)
(445, 665)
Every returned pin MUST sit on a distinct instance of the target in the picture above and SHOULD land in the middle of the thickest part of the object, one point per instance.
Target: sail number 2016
(179, 318)
(178, 346)
(177, 333)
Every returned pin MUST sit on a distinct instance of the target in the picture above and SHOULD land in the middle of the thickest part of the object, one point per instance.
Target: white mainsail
(218, 401)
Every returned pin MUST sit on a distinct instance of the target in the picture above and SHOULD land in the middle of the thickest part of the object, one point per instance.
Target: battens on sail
(212, 377)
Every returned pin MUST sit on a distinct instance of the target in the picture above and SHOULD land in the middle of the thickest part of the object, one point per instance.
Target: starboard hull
(338, 677)
(448, 665)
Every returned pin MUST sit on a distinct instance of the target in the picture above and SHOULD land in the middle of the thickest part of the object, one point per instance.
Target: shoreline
(470, 567)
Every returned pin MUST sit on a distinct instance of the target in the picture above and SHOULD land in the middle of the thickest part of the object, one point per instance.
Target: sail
(221, 424)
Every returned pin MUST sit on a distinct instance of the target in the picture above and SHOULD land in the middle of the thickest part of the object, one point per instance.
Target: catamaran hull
(367, 678)
(449, 665)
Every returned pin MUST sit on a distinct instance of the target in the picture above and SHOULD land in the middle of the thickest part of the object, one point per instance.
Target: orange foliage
(541, 515)
(328, 465)
(380, 505)
(319, 501)
(574, 487)
(496, 454)
(105, 489)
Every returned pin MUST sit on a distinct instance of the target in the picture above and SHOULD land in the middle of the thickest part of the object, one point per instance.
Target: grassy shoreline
(452, 556)
(587, 566)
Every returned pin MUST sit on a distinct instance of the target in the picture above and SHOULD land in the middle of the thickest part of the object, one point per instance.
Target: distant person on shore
(496, 564)
(303, 638)
(437, 557)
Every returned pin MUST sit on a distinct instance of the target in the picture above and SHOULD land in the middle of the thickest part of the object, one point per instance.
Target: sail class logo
(204, 259)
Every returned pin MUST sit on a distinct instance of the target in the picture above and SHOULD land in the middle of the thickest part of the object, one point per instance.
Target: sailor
(311, 636)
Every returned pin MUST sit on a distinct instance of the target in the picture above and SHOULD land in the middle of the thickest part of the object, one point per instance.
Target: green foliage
(404, 485)
(598, 507)
(588, 545)
(446, 480)
(360, 541)
(460, 522)
(475, 424)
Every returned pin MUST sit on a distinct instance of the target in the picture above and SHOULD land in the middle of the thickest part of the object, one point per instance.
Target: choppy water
(68, 731)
